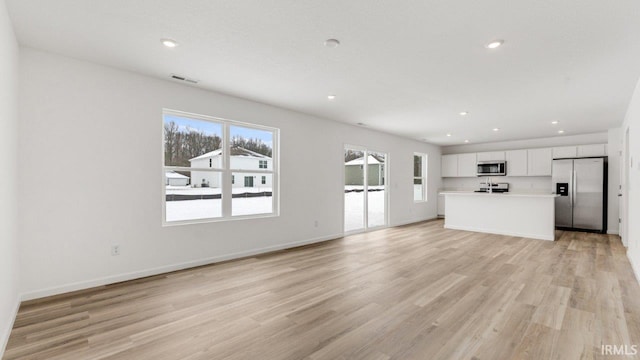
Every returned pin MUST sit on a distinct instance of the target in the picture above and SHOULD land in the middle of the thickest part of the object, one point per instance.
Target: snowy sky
(211, 128)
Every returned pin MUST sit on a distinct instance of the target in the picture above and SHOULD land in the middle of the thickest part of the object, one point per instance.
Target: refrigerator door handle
(574, 191)
(571, 190)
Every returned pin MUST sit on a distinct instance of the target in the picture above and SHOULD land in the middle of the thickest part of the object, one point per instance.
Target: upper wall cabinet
(565, 152)
(467, 165)
(539, 162)
(529, 162)
(449, 166)
(592, 150)
(516, 162)
(491, 156)
(579, 151)
(459, 165)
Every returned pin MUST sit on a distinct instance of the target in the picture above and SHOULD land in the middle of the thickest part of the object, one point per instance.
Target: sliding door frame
(365, 167)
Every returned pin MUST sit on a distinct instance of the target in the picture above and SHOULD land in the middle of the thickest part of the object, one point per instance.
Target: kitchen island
(516, 214)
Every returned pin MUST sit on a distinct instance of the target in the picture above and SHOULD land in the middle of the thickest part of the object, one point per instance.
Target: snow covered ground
(206, 209)
(212, 208)
(417, 192)
(193, 209)
(354, 209)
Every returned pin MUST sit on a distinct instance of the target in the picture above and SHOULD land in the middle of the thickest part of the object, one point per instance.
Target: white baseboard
(165, 269)
(81, 285)
(634, 267)
(6, 332)
(613, 232)
(498, 232)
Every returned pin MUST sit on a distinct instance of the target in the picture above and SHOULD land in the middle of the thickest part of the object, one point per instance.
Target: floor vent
(184, 78)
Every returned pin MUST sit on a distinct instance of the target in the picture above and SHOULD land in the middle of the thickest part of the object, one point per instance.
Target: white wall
(8, 158)
(84, 121)
(632, 122)
(613, 148)
(543, 184)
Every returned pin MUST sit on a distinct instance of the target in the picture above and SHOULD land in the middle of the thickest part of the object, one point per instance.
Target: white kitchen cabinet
(440, 205)
(458, 165)
(449, 166)
(491, 156)
(592, 150)
(516, 162)
(467, 165)
(565, 152)
(539, 162)
(526, 162)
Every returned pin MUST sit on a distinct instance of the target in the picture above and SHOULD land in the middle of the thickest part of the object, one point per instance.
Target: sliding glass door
(365, 195)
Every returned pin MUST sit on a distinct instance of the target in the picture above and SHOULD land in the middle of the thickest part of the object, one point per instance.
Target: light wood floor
(413, 292)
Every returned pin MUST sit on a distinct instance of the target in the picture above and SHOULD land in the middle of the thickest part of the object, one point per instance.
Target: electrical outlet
(315, 223)
(115, 250)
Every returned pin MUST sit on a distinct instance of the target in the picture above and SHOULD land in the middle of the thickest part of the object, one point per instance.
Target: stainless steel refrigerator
(581, 184)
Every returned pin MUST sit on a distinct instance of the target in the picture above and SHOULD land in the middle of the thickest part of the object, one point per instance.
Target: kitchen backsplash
(525, 184)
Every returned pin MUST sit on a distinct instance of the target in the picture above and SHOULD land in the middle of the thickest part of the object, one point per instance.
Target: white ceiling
(404, 67)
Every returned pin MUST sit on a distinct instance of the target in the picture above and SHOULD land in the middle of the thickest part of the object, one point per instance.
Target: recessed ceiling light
(496, 129)
(449, 135)
(331, 43)
(466, 141)
(170, 43)
(494, 44)
(331, 97)
(555, 122)
(464, 113)
(560, 131)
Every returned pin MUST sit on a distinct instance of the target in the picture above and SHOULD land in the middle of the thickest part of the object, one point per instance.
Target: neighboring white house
(354, 173)
(174, 179)
(241, 159)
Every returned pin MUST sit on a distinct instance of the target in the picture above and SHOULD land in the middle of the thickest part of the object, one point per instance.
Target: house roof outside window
(235, 151)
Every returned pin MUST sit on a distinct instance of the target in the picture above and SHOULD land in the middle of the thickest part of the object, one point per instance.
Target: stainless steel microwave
(492, 168)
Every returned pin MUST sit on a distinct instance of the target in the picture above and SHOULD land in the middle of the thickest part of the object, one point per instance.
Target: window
(202, 156)
(419, 177)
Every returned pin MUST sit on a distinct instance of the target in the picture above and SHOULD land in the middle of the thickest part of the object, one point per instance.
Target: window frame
(424, 159)
(225, 169)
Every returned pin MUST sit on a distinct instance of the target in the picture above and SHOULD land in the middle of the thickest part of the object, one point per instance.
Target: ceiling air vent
(184, 78)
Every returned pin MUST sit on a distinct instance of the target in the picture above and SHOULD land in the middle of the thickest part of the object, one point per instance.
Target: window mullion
(424, 177)
(227, 187)
(366, 188)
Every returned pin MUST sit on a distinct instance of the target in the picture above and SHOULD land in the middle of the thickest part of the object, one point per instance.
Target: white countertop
(509, 194)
